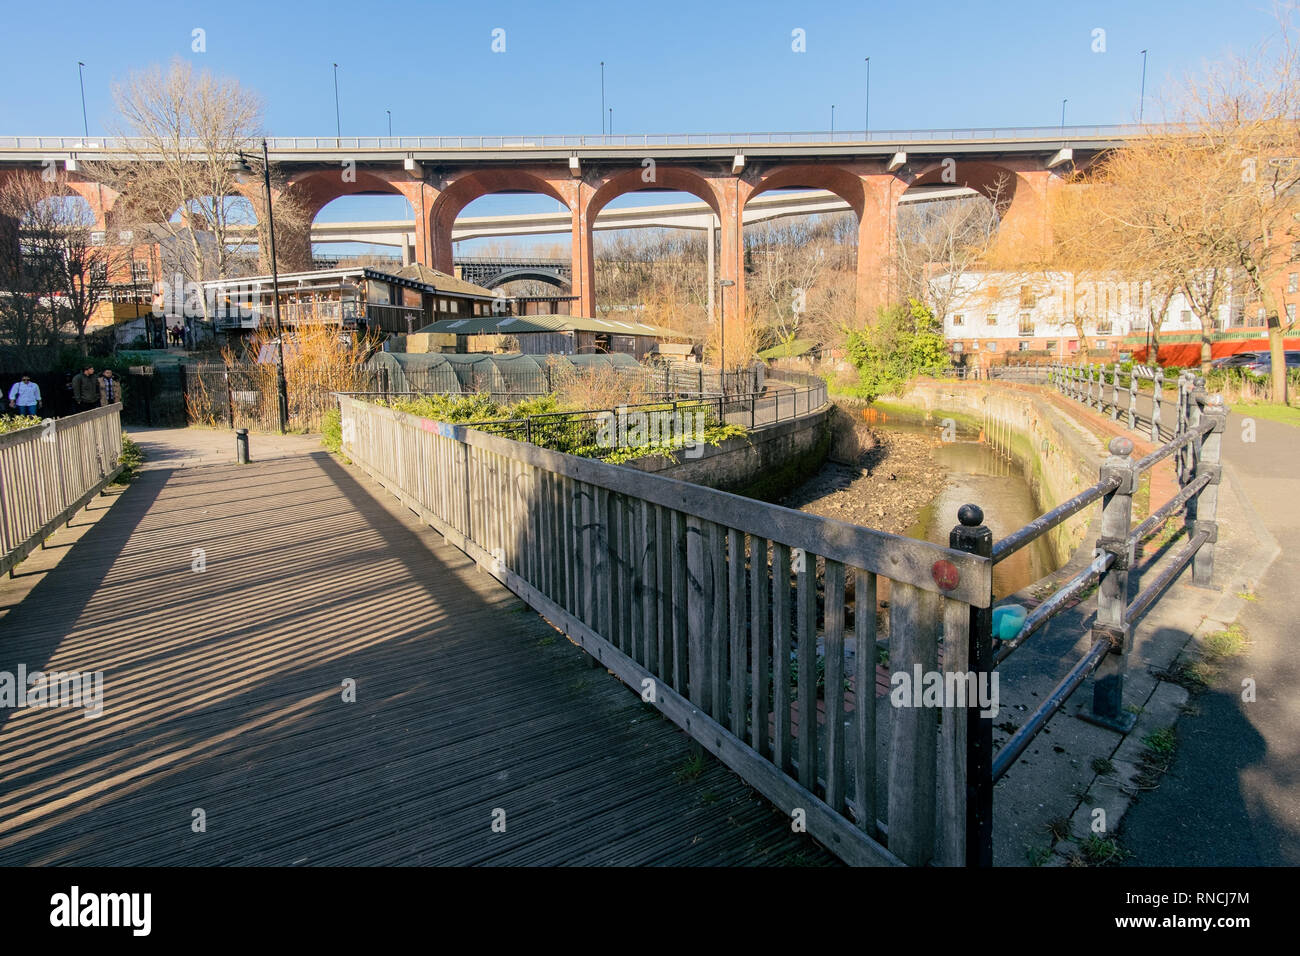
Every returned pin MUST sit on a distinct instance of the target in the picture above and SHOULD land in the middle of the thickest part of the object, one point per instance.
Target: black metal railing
(1198, 421)
(603, 433)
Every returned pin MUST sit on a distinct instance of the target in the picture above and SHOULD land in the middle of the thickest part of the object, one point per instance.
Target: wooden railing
(51, 470)
(712, 607)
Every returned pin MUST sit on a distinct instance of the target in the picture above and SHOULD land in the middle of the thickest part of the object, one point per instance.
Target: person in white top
(25, 396)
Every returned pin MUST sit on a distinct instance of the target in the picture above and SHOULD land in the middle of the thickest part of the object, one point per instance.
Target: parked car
(1264, 363)
(1236, 360)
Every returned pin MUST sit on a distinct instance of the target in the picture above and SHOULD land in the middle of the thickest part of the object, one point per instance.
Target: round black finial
(972, 516)
(1121, 446)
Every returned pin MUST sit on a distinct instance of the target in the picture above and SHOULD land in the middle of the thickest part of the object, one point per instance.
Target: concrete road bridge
(870, 172)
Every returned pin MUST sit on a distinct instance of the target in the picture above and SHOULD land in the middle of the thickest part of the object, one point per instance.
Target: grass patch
(1286, 414)
(1222, 645)
(132, 458)
(693, 767)
(1102, 851)
(1059, 828)
(1102, 766)
(1037, 855)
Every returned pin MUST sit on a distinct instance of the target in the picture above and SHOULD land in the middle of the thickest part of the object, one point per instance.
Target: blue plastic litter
(1008, 620)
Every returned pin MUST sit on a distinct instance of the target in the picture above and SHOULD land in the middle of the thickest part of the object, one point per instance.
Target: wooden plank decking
(223, 692)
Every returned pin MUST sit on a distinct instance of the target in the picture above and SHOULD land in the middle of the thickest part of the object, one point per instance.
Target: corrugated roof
(417, 272)
(524, 324)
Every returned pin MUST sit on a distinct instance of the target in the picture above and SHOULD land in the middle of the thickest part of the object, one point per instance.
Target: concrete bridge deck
(223, 692)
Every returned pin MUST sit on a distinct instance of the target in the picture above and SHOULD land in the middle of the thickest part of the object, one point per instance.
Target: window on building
(991, 319)
(1026, 324)
(1293, 282)
(1027, 298)
(956, 346)
(1052, 344)
(1187, 316)
(1295, 251)
(1024, 347)
(959, 320)
(455, 305)
(1101, 343)
(1290, 312)
(990, 346)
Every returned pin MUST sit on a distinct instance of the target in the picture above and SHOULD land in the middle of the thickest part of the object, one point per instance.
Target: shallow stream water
(979, 475)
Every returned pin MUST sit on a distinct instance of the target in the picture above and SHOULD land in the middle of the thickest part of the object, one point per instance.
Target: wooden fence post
(1202, 510)
(1111, 624)
(1156, 400)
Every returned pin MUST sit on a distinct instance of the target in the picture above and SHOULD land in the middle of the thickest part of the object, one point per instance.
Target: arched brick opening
(665, 178)
(850, 186)
(314, 191)
(464, 189)
(1019, 193)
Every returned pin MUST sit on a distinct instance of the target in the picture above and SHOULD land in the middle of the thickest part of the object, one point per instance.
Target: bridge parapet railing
(1141, 397)
(50, 471)
(1198, 421)
(751, 626)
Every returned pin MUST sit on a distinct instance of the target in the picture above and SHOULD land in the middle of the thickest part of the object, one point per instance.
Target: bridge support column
(427, 238)
(583, 283)
(711, 242)
(732, 194)
(877, 239)
(1024, 235)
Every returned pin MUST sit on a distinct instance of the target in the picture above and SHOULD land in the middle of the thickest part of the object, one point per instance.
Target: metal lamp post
(242, 170)
(722, 332)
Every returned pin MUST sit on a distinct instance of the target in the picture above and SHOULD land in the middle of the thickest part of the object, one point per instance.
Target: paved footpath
(1232, 795)
(227, 735)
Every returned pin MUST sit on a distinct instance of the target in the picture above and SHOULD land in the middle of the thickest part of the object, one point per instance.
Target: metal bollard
(241, 446)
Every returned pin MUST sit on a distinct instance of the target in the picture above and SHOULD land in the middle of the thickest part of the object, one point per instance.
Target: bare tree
(942, 241)
(185, 130)
(1213, 196)
(58, 229)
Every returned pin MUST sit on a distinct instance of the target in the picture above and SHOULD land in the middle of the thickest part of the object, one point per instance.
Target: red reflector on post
(945, 575)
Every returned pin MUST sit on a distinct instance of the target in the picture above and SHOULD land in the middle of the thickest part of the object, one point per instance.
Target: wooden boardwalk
(223, 692)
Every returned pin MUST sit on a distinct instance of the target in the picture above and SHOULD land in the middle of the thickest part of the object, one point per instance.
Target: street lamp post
(1142, 97)
(338, 124)
(866, 114)
(81, 75)
(602, 97)
(242, 170)
(722, 335)
(390, 124)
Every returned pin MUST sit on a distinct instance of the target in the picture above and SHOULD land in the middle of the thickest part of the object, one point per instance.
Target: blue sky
(670, 66)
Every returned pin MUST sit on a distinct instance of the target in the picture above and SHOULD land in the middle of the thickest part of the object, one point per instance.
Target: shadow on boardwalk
(223, 692)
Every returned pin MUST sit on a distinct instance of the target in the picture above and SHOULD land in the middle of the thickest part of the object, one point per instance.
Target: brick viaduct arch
(871, 191)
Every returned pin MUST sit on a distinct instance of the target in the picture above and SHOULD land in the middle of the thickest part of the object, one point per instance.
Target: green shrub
(331, 431)
(904, 342)
(132, 458)
(12, 423)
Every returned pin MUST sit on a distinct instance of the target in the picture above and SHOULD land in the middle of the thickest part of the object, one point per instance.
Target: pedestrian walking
(25, 396)
(85, 390)
(110, 389)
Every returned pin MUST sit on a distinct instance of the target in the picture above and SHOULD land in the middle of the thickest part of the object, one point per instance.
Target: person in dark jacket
(110, 389)
(85, 390)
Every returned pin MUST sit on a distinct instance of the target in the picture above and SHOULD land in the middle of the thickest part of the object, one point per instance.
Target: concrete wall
(763, 464)
(1058, 455)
